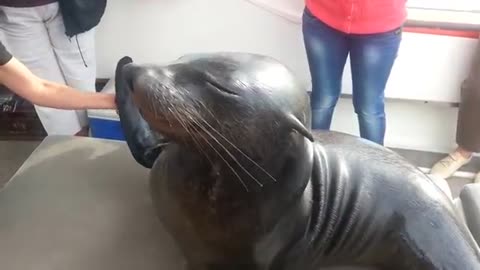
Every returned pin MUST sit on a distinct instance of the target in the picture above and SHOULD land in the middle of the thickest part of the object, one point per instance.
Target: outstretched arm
(144, 144)
(19, 79)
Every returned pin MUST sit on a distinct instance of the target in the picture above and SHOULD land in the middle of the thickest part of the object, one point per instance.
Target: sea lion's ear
(296, 125)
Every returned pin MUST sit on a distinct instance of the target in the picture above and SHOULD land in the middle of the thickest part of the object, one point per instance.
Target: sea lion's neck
(267, 185)
(285, 171)
(288, 211)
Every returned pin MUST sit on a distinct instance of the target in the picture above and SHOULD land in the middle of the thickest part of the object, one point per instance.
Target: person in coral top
(370, 31)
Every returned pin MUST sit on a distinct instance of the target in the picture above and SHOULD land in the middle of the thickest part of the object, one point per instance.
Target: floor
(14, 153)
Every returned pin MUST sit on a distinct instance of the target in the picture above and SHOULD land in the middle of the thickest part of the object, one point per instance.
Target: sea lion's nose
(130, 73)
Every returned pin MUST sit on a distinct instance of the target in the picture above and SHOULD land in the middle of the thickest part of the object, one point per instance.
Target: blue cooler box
(105, 124)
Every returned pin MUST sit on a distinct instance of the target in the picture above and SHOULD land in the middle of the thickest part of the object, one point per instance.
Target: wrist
(109, 101)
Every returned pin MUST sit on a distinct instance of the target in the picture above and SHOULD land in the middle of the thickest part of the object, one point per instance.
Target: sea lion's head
(230, 105)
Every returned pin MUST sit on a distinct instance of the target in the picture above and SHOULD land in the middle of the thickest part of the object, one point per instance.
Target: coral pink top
(360, 16)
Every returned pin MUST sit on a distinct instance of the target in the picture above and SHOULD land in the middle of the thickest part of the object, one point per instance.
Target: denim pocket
(307, 15)
(395, 33)
(398, 31)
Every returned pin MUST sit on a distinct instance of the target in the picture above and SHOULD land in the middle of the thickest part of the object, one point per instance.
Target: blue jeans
(371, 59)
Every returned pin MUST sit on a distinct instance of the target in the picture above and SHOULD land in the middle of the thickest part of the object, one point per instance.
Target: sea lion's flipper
(144, 144)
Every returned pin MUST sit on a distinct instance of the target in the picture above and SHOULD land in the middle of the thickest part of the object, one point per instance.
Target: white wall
(161, 30)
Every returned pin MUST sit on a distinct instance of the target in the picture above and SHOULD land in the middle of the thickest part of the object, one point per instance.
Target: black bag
(81, 15)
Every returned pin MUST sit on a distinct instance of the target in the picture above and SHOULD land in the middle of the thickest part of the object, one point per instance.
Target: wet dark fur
(238, 181)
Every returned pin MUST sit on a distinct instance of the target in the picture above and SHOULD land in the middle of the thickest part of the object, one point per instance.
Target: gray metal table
(78, 204)
(81, 203)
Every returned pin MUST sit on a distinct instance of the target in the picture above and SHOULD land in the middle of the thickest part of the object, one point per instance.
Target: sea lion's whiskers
(177, 116)
(209, 111)
(211, 146)
(227, 151)
(155, 112)
(153, 95)
(240, 151)
(224, 160)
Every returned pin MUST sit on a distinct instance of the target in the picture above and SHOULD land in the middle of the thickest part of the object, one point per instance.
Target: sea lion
(240, 181)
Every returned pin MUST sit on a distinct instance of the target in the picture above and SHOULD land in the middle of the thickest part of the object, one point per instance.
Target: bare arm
(18, 78)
